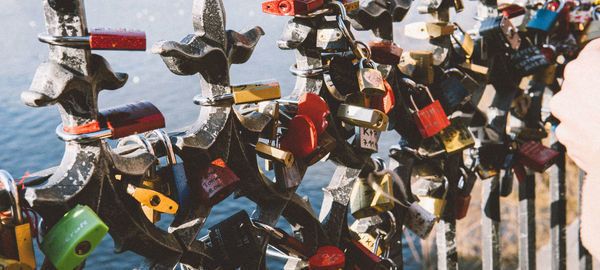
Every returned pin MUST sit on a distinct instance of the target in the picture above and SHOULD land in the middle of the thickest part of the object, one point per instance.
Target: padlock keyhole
(83, 248)
(155, 200)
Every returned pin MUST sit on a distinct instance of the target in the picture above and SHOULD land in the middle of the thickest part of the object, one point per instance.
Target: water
(28, 142)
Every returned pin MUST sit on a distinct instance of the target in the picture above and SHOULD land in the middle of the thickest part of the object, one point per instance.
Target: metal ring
(82, 138)
(76, 42)
(166, 140)
(332, 89)
(9, 184)
(307, 72)
(393, 225)
(139, 140)
(366, 48)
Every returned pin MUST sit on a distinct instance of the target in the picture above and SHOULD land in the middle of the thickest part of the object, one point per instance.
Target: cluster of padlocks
(347, 92)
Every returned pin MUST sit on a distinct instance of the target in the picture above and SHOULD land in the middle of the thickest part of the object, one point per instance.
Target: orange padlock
(386, 102)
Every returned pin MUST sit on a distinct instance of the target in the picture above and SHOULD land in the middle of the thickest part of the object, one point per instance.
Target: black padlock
(499, 33)
(343, 74)
(454, 90)
(529, 59)
(507, 180)
(234, 241)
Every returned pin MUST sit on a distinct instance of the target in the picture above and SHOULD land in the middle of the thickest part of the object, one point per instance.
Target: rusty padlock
(385, 52)
(386, 102)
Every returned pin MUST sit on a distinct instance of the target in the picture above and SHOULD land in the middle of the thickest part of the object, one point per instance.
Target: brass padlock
(363, 117)
(368, 198)
(547, 75)
(433, 204)
(464, 43)
(273, 153)
(244, 93)
(369, 241)
(325, 144)
(475, 68)
(424, 66)
(456, 136)
(370, 80)
(428, 30)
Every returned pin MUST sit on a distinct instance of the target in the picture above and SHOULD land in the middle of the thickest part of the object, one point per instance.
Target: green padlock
(73, 238)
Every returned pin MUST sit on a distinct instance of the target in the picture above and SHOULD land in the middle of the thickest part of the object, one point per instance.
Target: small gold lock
(256, 91)
(368, 241)
(8, 264)
(547, 75)
(381, 201)
(466, 42)
(423, 72)
(367, 199)
(432, 204)
(475, 68)
(428, 30)
(25, 244)
(459, 6)
(363, 117)
(456, 136)
(273, 153)
(370, 80)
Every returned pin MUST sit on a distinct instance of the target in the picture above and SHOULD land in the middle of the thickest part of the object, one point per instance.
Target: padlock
(423, 71)
(313, 106)
(361, 199)
(244, 93)
(179, 175)
(325, 144)
(214, 182)
(385, 52)
(530, 134)
(327, 258)
(288, 177)
(153, 199)
(430, 202)
(454, 90)
(290, 7)
(101, 39)
(73, 237)
(465, 186)
(520, 105)
(386, 102)
(428, 30)
(363, 117)
(506, 180)
(499, 32)
(331, 39)
(370, 80)
(282, 241)
(234, 241)
(491, 156)
(546, 75)
(15, 234)
(544, 19)
(362, 258)
(419, 220)
(456, 137)
(431, 119)
(131, 119)
(528, 60)
(301, 137)
(8, 264)
(511, 10)
(429, 6)
(273, 153)
(459, 6)
(536, 156)
(369, 241)
(464, 44)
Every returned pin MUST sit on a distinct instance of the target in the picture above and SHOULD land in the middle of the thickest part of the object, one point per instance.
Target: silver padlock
(419, 220)
(179, 177)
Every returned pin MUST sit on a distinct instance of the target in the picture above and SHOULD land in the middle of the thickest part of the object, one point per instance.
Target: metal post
(490, 223)
(585, 259)
(527, 249)
(446, 245)
(558, 211)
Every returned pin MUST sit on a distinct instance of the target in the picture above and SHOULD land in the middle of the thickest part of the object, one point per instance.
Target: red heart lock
(386, 102)
(327, 258)
(301, 137)
(313, 106)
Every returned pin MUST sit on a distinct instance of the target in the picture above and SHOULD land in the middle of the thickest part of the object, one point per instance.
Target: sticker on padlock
(15, 236)
(499, 32)
(301, 137)
(215, 182)
(370, 80)
(73, 238)
(536, 156)
(115, 123)
(386, 102)
(385, 52)
(330, 38)
(234, 241)
(153, 199)
(369, 139)
(456, 137)
(244, 93)
(428, 30)
(327, 258)
(290, 7)
(101, 39)
(363, 117)
(313, 106)
(464, 44)
(431, 119)
(273, 153)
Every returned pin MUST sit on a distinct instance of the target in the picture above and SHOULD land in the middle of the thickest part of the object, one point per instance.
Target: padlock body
(462, 206)
(327, 258)
(325, 144)
(367, 240)
(381, 202)
(234, 241)
(431, 119)
(464, 43)
(290, 7)
(453, 95)
(433, 205)
(25, 244)
(386, 102)
(132, 119)
(73, 237)
(419, 220)
(313, 106)
(270, 152)
(287, 178)
(499, 32)
(107, 39)
(536, 156)
(255, 91)
(370, 81)
(331, 39)
(301, 137)
(214, 183)
(543, 20)
(363, 117)
(386, 53)
(456, 136)
(361, 199)
(362, 258)
(529, 60)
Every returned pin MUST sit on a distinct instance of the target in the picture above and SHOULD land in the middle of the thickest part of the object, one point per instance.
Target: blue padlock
(544, 19)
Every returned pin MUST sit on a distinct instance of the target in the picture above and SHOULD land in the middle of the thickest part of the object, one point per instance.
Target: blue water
(27, 139)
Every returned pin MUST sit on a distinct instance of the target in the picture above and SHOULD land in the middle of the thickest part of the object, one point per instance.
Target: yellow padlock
(8, 264)
(432, 204)
(256, 91)
(456, 136)
(153, 199)
(273, 153)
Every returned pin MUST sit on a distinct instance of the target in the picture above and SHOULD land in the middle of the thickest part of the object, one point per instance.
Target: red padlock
(519, 171)
(431, 119)
(131, 119)
(327, 258)
(107, 39)
(215, 182)
(386, 102)
(462, 206)
(362, 258)
(536, 156)
(511, 10)
(290, 7)
(386, 53)
(301, 137)
(313, 106)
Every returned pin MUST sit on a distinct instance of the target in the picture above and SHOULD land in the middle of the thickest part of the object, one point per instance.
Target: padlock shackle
(304, 73)
(13, 193)
(66, 41)
(84, 137)
(393, 227)
(166, 140)
(414, 86)
(139, 140)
